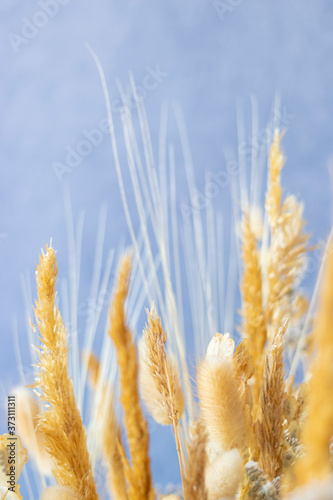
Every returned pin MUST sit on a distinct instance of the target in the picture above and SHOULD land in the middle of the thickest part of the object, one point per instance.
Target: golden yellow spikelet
(60, 423)
(138, 475)
(318, 426)
(254, 327)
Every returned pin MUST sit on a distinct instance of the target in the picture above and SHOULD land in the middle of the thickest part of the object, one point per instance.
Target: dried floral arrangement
(243, 428)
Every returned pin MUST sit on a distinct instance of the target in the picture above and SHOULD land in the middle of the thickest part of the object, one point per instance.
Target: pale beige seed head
(58, 493)
(26, 422)
(224, 475)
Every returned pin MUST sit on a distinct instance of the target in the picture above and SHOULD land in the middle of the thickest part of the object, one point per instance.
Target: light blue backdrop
(207, 56)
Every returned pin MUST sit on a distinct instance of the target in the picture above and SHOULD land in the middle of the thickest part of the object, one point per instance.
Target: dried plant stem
(138, 474)
(61, 424)
(254, 321)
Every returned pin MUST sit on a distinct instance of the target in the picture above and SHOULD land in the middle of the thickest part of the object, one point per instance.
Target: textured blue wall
(209, 55)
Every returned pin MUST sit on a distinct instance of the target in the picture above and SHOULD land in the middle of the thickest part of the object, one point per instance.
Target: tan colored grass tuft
(139, 475)
(194, 482)
(254, 326)
(269, 431)
(60, 424)
(318, 426)
(223, 402)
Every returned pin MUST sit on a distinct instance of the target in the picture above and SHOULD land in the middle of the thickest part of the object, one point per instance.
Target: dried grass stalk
(194, 482)
(318, 426)
(139, 475)
(254, 326)
(60, 424)
(269, 431)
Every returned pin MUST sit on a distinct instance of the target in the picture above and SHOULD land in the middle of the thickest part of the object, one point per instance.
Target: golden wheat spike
(288, 245)
(159, 379)
(194, 481)
(269, 431)
(60, 423)
(254, 322)
(318, 426)
(139, 476)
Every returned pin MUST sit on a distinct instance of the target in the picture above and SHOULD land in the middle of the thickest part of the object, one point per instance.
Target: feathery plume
(60, 423)
(138, 475)
(194, 481)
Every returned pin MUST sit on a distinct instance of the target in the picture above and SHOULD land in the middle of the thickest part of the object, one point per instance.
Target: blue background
(51, 92)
